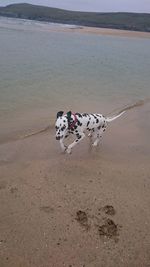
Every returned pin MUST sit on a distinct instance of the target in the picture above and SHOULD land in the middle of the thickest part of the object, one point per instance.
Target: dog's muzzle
(57, 137)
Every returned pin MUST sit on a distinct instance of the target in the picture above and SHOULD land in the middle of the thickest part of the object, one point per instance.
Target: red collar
(72, 124)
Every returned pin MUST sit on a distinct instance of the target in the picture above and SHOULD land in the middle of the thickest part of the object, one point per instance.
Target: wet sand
(109, 32)
(90, 208)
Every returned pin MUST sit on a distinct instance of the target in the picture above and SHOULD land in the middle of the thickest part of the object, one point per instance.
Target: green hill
(125, 21)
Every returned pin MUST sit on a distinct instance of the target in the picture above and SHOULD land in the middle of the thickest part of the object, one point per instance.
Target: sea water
(43, 71)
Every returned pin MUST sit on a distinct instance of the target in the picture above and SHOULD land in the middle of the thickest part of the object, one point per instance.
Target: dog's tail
(109, 119)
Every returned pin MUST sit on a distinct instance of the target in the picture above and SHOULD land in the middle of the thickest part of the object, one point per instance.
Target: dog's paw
(64, 149)
(69, 150)
(95, 144)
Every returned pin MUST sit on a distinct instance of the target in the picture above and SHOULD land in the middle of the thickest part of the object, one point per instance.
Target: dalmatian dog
(78, 124)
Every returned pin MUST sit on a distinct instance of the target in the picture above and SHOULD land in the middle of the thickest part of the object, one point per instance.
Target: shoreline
(29, 126)
(56, 27)
(135, 117)
(114, 32)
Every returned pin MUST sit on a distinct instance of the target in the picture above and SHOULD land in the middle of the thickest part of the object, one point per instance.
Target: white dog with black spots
(78, 124)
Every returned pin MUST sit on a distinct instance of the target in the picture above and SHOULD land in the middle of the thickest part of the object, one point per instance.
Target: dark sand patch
(82, 218)
(109, 210)
(47, 209)
(108, 229)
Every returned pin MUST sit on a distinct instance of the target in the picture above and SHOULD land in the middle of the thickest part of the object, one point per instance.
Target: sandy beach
(10, 23)
(90, 208)
(107, 32)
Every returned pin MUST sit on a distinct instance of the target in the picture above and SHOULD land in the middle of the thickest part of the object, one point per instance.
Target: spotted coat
(94, 124)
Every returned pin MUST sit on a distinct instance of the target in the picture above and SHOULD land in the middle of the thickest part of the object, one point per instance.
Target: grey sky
(91, 5)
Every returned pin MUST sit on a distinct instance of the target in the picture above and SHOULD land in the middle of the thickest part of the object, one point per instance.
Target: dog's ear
(69, 115)
(59, 114)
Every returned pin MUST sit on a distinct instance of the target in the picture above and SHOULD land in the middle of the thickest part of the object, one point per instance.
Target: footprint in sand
(107, 228)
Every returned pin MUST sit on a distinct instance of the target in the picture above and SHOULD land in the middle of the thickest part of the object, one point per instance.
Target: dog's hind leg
(99, 135)
(97, 139)
(80, 136)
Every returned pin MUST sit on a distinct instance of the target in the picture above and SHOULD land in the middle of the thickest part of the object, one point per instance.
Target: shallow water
(43, 71)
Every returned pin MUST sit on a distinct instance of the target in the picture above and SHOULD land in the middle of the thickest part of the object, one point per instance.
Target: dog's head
(61, 125)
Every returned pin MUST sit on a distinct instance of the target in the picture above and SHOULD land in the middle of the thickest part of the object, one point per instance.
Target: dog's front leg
(63, 147)
(80, 136)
